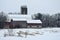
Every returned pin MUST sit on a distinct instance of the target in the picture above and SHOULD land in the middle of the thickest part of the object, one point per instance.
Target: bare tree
(3, 18)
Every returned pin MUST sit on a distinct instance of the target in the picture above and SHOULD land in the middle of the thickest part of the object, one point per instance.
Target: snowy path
(44, 34)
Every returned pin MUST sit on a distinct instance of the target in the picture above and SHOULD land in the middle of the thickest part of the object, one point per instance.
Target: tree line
(48, 20)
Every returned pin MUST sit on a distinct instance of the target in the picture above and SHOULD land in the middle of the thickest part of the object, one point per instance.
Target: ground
(31, 34)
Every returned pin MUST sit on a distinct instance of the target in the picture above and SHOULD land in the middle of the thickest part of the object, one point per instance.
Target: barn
(22, 20)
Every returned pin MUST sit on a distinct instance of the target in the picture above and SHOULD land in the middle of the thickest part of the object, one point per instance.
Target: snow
(17, 16)
(19, 19)
(34, 21)
(44, 34)
(28, 21)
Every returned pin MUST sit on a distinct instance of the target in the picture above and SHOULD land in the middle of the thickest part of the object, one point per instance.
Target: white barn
(22, 20)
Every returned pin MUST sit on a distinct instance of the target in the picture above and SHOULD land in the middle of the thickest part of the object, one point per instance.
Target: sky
(34, 6)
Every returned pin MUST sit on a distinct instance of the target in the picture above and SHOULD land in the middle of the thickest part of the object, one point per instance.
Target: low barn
(34, 24)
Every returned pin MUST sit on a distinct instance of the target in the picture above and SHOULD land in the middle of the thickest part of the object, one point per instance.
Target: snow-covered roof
(17, 17)
(20, 17)
(34, 21)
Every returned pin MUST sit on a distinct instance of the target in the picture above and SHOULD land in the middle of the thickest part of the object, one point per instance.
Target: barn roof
(34, 21)
(27, 18)
(17, 17)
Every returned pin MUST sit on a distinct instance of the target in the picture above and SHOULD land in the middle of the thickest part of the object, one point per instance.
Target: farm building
(22, 20)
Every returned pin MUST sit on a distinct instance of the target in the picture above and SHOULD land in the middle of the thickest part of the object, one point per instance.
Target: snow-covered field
(31, 34)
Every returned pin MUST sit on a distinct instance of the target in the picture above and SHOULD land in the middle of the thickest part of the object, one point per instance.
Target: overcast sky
(34, 6)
